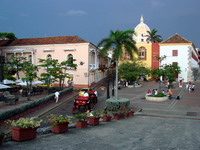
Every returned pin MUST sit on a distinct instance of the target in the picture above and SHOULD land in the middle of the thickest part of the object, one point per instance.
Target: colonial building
(147, 51)
(179, 50)
(91, 65)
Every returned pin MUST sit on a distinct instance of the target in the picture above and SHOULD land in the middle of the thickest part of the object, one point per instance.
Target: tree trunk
(116, 81)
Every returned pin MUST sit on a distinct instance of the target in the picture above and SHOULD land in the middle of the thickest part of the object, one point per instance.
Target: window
(174, 52)
(142, 53)
(142, 40)
(49, 57)
(126, 56)
(175, 63)
(30, 58)
(70, 57)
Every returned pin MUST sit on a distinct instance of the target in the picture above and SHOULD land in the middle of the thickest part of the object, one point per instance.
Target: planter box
(156, 99)
(106, 118)
(93, 121)
(117, 117)
(23, 134)
(81, 124)
(60, 128)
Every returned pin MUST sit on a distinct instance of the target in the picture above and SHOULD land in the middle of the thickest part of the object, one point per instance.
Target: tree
(153, 37)
(117, 42)
(8, 35)
(168, 71)
(56, 71)
(30, 73)
(15, 64)
(131, 71)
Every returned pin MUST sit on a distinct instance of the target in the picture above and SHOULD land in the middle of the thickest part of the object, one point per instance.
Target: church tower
(141, 30)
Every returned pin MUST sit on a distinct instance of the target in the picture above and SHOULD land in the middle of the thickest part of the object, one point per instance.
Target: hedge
(6, 114)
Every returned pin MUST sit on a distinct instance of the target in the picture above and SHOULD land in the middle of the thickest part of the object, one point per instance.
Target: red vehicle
(85, 103)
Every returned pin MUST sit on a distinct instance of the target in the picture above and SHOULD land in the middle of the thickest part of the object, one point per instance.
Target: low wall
(156, 99)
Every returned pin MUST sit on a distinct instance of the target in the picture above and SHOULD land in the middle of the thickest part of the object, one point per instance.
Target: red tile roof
(43, 41)
(176, 38)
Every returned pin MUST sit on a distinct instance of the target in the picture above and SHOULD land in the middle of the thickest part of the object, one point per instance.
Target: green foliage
(159, 95)
(117, 42)
(56, 71)
(25, 123)
(37, 102)
(58, 118)
(81, 117)
(13, 63)
(153, 37)
(9, 35)
(131, 71)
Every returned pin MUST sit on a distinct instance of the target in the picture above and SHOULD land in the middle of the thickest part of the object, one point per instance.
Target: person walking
(57, 94)
(193, 86)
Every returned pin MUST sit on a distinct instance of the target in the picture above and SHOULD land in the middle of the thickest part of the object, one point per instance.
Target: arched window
(142, 53)
(70, 57)
(49, 57)
(30, 58)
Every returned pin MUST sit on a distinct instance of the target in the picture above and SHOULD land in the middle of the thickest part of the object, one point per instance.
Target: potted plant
(24, 128)
(93, 117)
(106, 116)
(59, 123)
(81, 120)
(120, 114)
(1, 136)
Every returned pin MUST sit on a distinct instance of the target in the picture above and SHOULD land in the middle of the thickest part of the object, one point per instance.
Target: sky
(93, 20)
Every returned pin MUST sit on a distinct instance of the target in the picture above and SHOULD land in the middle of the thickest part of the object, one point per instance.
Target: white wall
(182, 58)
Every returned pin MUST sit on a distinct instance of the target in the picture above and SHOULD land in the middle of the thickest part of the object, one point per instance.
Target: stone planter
(93, 121)
(81, 124)
(60, 128)
(106, 118)
(156, 99)
(23, 134)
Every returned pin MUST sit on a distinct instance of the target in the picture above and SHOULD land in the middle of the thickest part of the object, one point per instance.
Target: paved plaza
(173, 124)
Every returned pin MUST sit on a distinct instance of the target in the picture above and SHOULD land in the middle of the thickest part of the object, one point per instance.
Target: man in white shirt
(57, 96)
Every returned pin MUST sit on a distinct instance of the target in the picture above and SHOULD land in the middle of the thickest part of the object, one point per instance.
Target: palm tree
(153, 37)
(117, 41)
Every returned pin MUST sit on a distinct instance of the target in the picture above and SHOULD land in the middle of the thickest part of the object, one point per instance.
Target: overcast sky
(92, 20)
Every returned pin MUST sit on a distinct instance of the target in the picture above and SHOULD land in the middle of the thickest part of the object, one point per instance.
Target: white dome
(141, 31)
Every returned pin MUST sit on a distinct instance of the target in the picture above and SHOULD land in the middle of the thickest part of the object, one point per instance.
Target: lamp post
(2, 61)
(108, 90)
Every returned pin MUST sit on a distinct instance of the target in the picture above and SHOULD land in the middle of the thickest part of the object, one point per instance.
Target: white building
(180, 51)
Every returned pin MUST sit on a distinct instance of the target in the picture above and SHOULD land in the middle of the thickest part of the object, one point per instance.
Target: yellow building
(142, 43)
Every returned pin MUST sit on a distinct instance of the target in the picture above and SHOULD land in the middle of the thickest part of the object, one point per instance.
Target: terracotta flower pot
(106, 118)
(1, 139)
(23, 134)
(60, 127)
(127, 114)
(93, 121)
(117, 117)
(81, 124)
(131, 114)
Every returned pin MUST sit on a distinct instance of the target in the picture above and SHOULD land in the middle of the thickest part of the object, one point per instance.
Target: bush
(160, 95)
(11, 112)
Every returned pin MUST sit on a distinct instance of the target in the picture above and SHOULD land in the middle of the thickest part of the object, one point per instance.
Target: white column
(32, 57)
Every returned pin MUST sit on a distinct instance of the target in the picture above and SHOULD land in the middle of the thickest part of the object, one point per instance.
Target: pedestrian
(187, 86)
(181, 82)
(57, 96)
(193, 86)
(163, 91)
(170, 93)
(156, 91)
